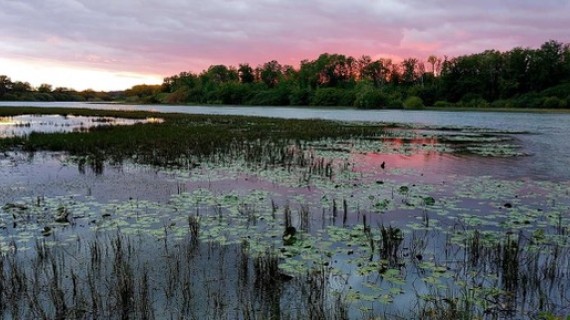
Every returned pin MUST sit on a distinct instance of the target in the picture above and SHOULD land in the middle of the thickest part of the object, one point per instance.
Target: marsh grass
(187, 140)
(191, 282)
(118, 276)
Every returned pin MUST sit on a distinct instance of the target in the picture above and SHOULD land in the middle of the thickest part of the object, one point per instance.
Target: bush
(413, 102)
(271, 97)
(427, 93)
(300, 97)
(395, 103)
(232, 93)
(502, 103)
(468, 97)
(8, 97)
(476, 103)
(370, 98)
(528, 100)
(178, 96)
(347, 98)
(560, 91)
(333, 97)
(441, 104)
(553, 103)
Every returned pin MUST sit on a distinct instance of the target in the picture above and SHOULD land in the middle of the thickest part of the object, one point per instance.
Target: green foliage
(370, 98)
(472, 100)
(395, 103)
(180, 136)
(441, 104)
(300, 97)
(42, 96)
(549, 316)
(560, 91)
(427, 93)
(413, 102)
(528, 100)
(328, 97)
(553, 103)
(502, 104)
(519, 78)
(231, 93)
(273, 97)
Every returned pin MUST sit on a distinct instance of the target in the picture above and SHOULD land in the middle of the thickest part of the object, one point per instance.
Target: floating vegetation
(276, 219)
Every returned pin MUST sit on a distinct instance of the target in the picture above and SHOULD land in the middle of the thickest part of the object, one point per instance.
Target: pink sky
(110, 44)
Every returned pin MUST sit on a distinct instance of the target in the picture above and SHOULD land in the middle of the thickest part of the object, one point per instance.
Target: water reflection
(22, 125)
(547, 142)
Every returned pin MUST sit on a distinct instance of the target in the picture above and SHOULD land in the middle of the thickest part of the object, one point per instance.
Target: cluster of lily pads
(340, 222)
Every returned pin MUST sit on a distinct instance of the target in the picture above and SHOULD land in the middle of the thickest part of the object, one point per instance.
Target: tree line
(521, 78)
(23, 91)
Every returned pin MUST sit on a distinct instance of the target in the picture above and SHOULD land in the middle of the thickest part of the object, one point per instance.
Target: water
(25, 124)
(545, 139)
(497, 196)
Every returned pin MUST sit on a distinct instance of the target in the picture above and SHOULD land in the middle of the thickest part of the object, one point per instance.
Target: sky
(115, 44)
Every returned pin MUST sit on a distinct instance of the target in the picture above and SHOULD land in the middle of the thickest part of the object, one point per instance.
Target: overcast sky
(113, 44)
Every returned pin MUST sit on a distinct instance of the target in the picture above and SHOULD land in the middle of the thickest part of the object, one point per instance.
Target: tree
(245, 73)
(395, 75)
(45, 88)
(547, 65)
(182, 81)
(5, 85)
(372, 71)
(432, 60)
(219, 74)
(409, 75)
(270, 73)
(21, 87)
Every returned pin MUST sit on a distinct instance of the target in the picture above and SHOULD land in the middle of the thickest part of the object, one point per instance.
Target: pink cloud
(168, 36)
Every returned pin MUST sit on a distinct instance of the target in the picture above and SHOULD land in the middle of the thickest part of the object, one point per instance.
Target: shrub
(370, 98)
(468, 97)
(427, 93)
(347, 98)
(441, 104)
(413, 102)
(300, 97)
(8, 97)
(553, 103)
(271, 97)
(395, 103)
(178, 96)
(501, 103)
(528, 100)
(477, 103)
(333, 97)
(560, 91)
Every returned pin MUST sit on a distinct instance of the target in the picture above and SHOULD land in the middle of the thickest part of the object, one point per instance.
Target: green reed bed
(181, 137)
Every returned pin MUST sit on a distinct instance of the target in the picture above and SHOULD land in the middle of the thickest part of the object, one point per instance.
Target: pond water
(25, 124)
(397, 226)
(546, 138)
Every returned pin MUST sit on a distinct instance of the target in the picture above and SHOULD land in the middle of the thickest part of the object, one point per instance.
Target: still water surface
(545, 137)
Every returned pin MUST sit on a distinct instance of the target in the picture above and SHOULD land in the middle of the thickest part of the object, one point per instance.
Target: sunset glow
(111, 45)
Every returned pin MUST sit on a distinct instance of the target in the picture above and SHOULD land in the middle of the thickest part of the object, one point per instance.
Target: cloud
(168, 36)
